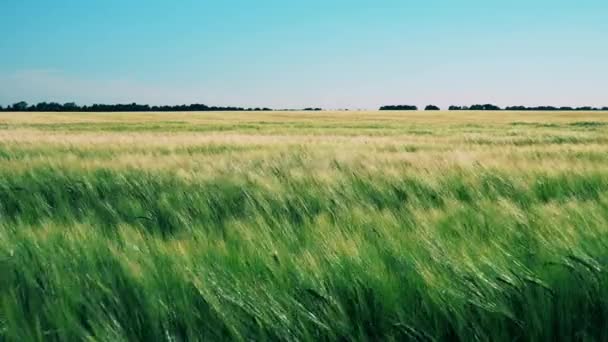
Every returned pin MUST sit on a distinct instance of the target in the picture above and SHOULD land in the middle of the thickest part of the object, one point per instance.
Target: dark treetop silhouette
(23, 106)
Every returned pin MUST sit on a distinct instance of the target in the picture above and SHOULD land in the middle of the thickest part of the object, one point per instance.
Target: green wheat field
(304, 226)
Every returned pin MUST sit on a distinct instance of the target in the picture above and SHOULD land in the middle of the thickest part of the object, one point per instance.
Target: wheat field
(304, 226)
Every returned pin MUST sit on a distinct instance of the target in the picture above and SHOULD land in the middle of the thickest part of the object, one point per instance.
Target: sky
(316, 53)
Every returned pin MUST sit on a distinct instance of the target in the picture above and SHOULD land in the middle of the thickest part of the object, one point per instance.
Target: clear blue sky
(333, 54)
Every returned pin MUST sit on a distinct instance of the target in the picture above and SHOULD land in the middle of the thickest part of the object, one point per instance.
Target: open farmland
(304, 226)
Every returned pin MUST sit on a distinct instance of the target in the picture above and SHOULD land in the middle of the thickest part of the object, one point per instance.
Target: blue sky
(332, 54)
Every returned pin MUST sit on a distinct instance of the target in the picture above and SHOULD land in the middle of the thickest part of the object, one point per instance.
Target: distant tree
(604, 108)
(458, 108)
(431, 107)
(40, 107)
(399, 107)
(484, 107)
(20, 106)
(54, 107)
(70, 107)
(491, 107)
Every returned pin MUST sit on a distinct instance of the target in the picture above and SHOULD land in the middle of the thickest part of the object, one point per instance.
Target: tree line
(133, 107)
(491, 107)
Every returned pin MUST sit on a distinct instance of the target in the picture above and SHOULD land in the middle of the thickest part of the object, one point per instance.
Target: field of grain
(304, 226)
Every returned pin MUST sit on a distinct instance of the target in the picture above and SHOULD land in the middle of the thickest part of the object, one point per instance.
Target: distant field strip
(330, 226)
